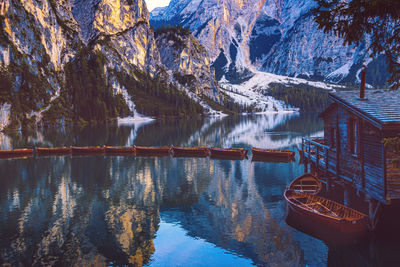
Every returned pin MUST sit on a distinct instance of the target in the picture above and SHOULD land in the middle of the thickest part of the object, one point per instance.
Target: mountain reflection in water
(123, 210)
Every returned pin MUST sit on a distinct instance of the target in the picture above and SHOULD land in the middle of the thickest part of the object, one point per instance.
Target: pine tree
(354, 19)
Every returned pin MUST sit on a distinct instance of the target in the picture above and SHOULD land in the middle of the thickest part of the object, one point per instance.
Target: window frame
(333, 139)
(354, 137)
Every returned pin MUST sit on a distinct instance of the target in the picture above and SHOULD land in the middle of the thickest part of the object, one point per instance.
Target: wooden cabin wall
(348, 165)
(365, 171)
(392, 174)
(392, 160)
(374, 163)
(329, 124)
(369, 174)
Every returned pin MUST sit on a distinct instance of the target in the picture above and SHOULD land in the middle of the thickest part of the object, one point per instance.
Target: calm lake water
(162, 211)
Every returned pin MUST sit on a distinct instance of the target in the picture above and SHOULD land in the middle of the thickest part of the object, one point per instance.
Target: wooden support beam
(337, 146)
(362, 160)
(373, 212)
(346, 196)
(326, 161)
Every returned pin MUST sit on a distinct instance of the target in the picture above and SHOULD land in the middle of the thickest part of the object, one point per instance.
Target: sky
(151, 4)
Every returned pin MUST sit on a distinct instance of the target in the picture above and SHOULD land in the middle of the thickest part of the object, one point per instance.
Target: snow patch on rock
(4, 56)
(5, 142)
(5, 112)
(251, 92)
(136, 116)
(340, 73)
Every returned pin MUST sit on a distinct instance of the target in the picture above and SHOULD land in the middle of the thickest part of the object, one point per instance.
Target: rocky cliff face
(277, 36)
(55, 54)
(187, 60)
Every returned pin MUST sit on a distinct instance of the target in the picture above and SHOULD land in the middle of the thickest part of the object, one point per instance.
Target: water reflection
(275, 131)
(376, 252)
(232, 214)
(115, 210)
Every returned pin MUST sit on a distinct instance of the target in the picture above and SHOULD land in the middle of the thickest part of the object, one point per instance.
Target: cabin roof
(382, 107)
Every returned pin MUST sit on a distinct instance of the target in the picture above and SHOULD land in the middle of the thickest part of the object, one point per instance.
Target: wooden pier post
(328, 183)
(346, 197)
(373, 212)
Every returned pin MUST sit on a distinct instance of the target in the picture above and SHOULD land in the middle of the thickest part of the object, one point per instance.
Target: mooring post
(373, 210)
(346, 197)
(328, 183)
(305, 166)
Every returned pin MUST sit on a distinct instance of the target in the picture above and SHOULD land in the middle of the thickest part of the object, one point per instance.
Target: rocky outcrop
(4, 115)
(58, 56)
(277, 36)
(187, 60)
(222, 27)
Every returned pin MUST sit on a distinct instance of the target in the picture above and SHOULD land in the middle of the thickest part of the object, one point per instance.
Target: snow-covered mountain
(88, 60)
(276, 36)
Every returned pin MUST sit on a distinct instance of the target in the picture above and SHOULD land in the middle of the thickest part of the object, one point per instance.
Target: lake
(162, 211)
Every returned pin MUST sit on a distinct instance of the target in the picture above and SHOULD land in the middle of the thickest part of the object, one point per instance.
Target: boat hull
(140, 150)
(225, 152)
(354, 227)
(119, 150)
(190, 151)
(273, 153)
(16, 153)
(42, 151)
(94, 150)
(303, 224)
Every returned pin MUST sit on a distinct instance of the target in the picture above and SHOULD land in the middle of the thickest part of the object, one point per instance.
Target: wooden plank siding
(329, 124)
(353, 149)
(392, 173)
(365, 170)
(374, 165)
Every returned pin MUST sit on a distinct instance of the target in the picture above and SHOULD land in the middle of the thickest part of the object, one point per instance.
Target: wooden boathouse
(352, 151)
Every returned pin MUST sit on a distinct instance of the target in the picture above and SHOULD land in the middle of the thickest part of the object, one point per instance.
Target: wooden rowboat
(307, 183)
(303, 224)
(273, 153)
(87, 150)
(44, 151)
(235, 152)
(119, 150)
(16, 153)
(148, 150)
(327, 213)
(190, 151)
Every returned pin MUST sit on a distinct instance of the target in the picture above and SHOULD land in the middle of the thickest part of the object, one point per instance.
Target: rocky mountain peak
(50, 50)
(187, 60)
(276, 36)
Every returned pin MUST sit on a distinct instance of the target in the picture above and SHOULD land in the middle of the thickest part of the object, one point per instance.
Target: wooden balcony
(323, 156)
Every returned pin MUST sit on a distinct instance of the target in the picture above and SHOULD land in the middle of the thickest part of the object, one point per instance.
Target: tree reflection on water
(107, 210)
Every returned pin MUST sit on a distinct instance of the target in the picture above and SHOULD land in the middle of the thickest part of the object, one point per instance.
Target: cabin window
(333, 137)
(353, 136)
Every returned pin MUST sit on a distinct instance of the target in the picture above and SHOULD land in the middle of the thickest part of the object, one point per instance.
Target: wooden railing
(321, 155)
